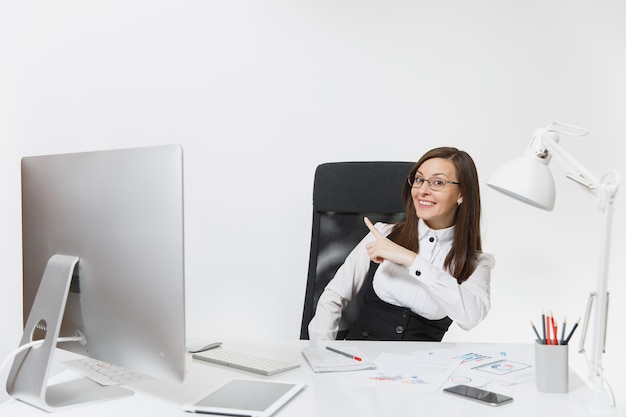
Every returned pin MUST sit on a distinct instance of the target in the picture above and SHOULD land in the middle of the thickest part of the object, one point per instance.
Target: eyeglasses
(434, 183)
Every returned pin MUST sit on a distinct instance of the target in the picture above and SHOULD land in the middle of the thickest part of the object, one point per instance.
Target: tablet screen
(247, 398)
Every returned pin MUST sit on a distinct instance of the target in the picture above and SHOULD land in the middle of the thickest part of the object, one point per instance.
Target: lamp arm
(602, 189)
(600, 313)
(568, 161)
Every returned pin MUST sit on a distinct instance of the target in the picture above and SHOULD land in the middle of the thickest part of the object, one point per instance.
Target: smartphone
(479, 395)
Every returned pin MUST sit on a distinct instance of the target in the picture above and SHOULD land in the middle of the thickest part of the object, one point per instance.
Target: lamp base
(601, 402)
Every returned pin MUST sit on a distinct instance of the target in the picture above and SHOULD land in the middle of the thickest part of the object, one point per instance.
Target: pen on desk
(349, 355)
(539, 339)
(543, 326)
(571, 332)
(563, 330)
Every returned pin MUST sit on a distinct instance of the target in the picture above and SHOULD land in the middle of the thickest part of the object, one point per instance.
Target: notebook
(322, 359)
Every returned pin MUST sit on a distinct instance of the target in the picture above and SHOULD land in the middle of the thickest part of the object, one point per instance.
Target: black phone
(477, 394)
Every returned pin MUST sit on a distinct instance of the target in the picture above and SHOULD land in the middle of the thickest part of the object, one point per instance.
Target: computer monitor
(103, 260)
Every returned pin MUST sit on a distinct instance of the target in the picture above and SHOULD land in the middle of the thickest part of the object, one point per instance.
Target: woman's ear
(459, 201)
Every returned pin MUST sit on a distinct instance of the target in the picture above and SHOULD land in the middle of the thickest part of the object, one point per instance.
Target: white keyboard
(105, 373)
(244, 361)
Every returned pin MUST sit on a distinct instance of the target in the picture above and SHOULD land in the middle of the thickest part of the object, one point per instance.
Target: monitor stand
(28, 379)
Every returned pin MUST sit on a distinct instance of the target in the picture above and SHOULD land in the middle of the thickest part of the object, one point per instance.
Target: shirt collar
(442, 235)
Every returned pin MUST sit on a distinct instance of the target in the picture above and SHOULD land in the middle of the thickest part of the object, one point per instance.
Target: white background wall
(260, 93)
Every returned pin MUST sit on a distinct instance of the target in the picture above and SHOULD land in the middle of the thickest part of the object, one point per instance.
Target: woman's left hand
(384, 249)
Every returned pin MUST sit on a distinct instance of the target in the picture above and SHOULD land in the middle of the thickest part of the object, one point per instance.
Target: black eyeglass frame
(412, 180)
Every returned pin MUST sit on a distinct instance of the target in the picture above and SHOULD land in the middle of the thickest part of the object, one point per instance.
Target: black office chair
(343, 193)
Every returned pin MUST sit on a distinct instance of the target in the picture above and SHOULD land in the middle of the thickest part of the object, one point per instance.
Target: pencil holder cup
(552, 368)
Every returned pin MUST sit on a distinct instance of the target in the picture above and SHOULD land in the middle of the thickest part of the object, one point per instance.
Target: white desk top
(330, 395)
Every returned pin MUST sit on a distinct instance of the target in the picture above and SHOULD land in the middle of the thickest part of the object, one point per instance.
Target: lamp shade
(526, 179)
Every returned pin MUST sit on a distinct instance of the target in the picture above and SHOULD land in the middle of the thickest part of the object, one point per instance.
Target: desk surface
(331, 395)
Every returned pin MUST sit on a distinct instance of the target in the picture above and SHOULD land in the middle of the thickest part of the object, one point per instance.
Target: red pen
(349, 355)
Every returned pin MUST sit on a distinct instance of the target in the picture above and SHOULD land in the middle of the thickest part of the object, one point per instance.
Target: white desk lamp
(529, 179)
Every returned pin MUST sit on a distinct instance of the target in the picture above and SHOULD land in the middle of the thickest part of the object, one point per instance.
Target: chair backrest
(343, 193)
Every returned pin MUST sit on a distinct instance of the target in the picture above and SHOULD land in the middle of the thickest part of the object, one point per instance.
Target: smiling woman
(422, 274)
(436, 204)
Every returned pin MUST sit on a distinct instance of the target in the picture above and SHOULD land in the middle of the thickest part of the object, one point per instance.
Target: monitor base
(28, 380)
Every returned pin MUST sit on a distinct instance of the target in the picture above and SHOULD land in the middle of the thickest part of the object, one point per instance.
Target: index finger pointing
(373, 229)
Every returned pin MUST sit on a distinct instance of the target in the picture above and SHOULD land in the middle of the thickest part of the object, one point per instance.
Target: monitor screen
(120, 213)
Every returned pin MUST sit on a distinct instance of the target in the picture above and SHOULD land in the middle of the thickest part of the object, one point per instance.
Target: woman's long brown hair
(462, 258)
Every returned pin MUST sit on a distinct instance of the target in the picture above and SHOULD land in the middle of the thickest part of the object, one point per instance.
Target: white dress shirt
(425, 287)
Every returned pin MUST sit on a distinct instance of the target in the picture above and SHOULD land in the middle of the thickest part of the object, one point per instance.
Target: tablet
(250, 398)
